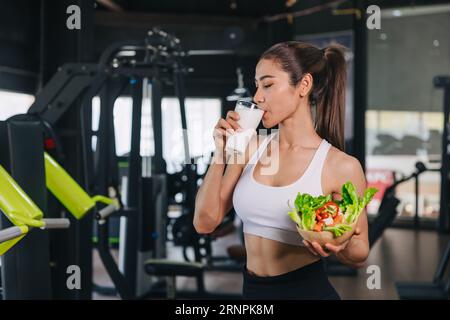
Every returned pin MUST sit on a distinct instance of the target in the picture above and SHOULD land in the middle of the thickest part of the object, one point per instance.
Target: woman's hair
(329, 72)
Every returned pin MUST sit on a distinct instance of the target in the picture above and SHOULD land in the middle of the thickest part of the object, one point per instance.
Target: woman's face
(274, 93)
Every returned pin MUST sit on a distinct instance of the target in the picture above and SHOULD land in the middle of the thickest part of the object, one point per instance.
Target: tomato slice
(332, 208)
(318, 226)
(329, 208)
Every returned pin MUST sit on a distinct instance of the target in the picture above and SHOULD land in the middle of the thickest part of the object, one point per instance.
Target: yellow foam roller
(18, 208)
(16, 204)
(68, 191)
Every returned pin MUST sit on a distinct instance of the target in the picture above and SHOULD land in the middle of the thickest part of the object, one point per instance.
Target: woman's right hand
(225, 128)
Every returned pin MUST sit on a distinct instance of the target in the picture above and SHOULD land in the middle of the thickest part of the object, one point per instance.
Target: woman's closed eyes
(264, 86)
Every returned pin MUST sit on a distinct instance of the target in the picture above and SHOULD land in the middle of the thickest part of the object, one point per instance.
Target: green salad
(322, 213)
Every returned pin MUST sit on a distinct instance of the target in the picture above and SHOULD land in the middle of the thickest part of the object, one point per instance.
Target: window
(201, 116)
(12, 103)
(404, 118)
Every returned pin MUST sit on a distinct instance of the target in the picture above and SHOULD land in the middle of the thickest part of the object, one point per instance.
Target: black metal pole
(134, 187)
(444, 214)
(157, 86)
(106, 171)
(179, 90)
(416, 213)
(86, 130)
(120, 283)
(360, 84)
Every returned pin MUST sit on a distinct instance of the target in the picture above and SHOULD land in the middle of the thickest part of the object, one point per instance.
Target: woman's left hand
(328, 248)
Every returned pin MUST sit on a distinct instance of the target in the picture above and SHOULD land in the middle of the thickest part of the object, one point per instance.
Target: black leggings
(309, 282)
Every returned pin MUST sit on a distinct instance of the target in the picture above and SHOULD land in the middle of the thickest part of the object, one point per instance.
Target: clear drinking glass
(249, 117)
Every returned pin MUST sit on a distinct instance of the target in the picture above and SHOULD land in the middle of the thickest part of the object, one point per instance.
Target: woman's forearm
(355, 253)
(207, 210)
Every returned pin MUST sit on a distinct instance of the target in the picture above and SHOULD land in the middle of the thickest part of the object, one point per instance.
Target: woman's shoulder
(343, 161)
(345, 167)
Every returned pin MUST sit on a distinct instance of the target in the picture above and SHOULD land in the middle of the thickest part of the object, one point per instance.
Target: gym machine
(156, 61)
(22, 212)
(81, 82)
(26, 267)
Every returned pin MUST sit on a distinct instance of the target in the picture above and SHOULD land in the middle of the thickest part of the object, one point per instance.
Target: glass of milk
(249, 117)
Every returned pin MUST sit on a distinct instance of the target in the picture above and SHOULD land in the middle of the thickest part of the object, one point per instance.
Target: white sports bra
(263, 209)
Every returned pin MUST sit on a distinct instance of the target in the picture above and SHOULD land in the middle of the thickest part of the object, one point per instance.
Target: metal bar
(106, 211)
(147, 20)
(179, 90)
(56, 223)
(111, 5)
(62, 90)
(134, 185)
(444, 214)
(117, 278)
(159, 167)
(115, 48)
(85, 126)
(440, 271)
(416, 200)
(105, 161)
(135, 157)
(360, 85)
(10, 233)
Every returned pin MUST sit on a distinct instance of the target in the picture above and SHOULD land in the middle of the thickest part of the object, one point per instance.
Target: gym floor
(401, 254)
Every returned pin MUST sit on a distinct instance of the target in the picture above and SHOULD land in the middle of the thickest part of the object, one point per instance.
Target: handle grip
(106, 211)
(56, 223)
(10, 233)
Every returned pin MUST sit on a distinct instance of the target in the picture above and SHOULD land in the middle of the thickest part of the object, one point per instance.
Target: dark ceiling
(239, 8)
(242, 8)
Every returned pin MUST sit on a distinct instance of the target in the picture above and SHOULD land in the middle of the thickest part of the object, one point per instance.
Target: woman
(292, 79)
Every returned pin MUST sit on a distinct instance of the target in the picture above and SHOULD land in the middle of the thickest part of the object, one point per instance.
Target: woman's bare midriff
(266, 257)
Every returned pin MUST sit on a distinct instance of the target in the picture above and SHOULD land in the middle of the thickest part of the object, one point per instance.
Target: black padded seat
(170, 268)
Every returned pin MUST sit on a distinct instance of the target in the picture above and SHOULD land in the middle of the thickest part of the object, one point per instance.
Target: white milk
(248, 120)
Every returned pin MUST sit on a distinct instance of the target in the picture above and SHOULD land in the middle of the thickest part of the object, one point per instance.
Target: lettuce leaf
(308, 220)
(338, 229)
(351, 204)
(294, 215)
(368, 195)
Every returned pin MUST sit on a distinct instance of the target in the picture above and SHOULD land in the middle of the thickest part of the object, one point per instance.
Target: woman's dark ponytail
(330, 97)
